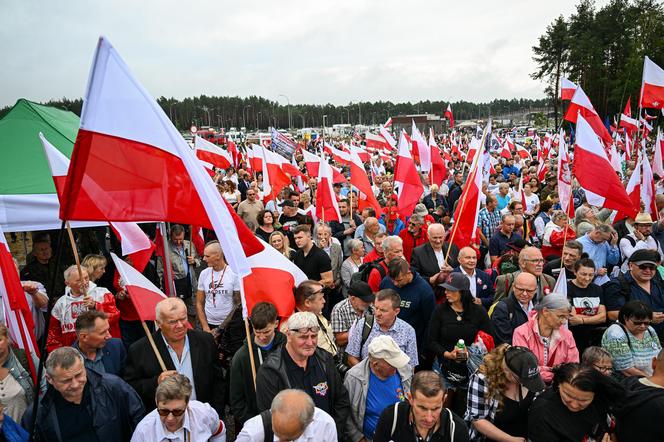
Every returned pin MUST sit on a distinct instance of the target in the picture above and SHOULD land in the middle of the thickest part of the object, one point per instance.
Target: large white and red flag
(339, 155)
(567, 89)
(211, 153)
(594, 172)
(135, 165)
(581, 105)
(658, 156)
(274, 177)
(327, 207)
(143, 294)
(648, 187)
(17, 313)
(388, 123)
(614, 159)
(464, 229)
(652, 85)
(387, 136)
(449, 115)
(312, 163)
(564, 177)
(406, 179)
(376, 142)
(438, 170)
(633, 191)
(422, 147)
(630, 124)
(134, 242)
(359, 179)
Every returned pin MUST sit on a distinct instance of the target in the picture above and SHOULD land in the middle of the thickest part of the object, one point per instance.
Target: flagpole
(571, 201)
(168, 270)
(250, 347)
(153, 345)
(47, 321)
(74, 250)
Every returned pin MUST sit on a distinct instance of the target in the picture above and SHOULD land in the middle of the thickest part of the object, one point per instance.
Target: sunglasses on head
(165, 412)
(304, 330)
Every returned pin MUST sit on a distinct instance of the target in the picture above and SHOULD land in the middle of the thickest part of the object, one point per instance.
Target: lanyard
(217, 285)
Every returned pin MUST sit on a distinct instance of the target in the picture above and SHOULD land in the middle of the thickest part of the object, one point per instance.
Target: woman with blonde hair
(280, 242)
(500, 394)
(95, 265)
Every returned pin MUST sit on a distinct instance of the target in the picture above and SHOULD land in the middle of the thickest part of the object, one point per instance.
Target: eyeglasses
(524, 290)
(603, 369)
(165, 412)
(306, 330)
(637, 323)
(647, 267)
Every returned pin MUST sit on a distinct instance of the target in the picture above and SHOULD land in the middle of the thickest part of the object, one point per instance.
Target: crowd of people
(397, 334)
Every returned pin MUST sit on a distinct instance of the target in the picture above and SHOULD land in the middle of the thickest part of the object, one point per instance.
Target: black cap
(523, 363)
(362, 290)
(287, 203)
(645, 256)
(456, 281)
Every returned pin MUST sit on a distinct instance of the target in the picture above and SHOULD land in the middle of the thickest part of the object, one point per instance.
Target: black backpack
(365, 269)
(266, 417)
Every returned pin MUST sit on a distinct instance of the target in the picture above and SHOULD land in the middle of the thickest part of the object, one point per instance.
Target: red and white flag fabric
(633, 191)
(614, 159)
(17, 313)
(581, 105)
(312, 163)
(376, 142)
(594, 172)
(648, 187)
(652, 85)
(564, 177)
(198, 239)
(274, 177)
(626, 121)
(561, 283)
(387, 136)
(406, 179)
(143, 294)
(449, 115)
(523, 153)
(388, 123)
(422, 147)
(327, 207)
(658, 156)
(359, 179)
(464, 229)
(567, 89)
(211, 153)
(507, 148)
(438, 170)
(136, 166)
(340, 156)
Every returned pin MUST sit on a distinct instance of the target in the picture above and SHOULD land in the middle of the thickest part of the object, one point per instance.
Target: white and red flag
(406, 179)
(564, 177)
(449, 115)
(523, 153)
(648, 187)
(567, 89)
(211, 153)
(387, 136)
(143, 294)
(376, 142)
(422, 148)
(388, 123)
(658, 156)
(327, 207)
(633, 191)
(359, 179)
(312, 163)
(626, 121)
(581, 105)
(17, 313)
(136, 166)
(274, 177)
(614, 159)
(652, 85)
(339, 155)
(594, 172)
(438, 170)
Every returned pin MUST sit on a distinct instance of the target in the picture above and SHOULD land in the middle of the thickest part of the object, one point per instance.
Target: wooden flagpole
(250, 347)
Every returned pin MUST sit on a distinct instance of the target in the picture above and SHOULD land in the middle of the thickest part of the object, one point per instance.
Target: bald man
(481, 285)
(292, 417)
(512, 311)
(429, 259)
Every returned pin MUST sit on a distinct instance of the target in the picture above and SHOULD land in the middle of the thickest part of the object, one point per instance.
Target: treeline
(602, 50)
(252, 112)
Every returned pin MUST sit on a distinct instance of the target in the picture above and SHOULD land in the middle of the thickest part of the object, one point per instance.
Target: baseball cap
(362, 290)
(523, 363)
(384, 347)
(645, 256)
(457, 282)
(287, 203)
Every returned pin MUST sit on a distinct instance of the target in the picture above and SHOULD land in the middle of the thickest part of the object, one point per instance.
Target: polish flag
(410, 187)
(449, 115)
(657, 162)
(135, 165)
(143, 294)
(388, 123)
(231, 147)
(376, 142)
(614, 159)
(633, 191)
(647, 127)
(648, 188)
(211, 153)
(17, 314)
(312, 163)
(594, 172)
(422, 147)
(338, 155)
(564, 177)
(581, 105)
(630, 124)
(359, 179)
(363, 154)
(327, 207)
(628, 147)
(300, 177)
(198, 239)
(567, 89)
(133, 240)
(652, 85)
(438, 170)
(387, 136)
(523, 152)
(274, 178)
(505, 151)
(464, 229)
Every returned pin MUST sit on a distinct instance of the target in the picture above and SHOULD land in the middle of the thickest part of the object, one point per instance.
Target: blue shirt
(183, 365)
(503, 201)
(603, 254)
(498, 242)
(510, 169)
(402, 333)
(380, 395)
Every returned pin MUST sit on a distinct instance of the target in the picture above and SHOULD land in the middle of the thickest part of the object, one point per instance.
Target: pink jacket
(563, 349)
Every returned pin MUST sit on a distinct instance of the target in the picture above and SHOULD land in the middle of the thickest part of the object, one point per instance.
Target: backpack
(365, 269)
(266, 417)
(511, 307)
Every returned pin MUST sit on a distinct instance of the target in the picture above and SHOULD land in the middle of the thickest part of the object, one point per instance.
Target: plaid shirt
(343, 316)
(479, 405)
(488, 222)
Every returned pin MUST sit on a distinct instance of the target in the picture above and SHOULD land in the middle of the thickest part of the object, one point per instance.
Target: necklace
(459, 315)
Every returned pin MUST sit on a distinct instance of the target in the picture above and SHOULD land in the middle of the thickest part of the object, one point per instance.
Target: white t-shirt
(218, 295)
(531, 202)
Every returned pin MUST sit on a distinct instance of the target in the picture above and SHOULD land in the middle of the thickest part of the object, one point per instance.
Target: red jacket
(410, 242)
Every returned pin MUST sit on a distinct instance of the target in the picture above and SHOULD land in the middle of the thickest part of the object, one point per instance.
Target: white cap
(384, 347)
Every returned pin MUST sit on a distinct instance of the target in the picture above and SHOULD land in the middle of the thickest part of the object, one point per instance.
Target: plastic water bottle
(462, 353)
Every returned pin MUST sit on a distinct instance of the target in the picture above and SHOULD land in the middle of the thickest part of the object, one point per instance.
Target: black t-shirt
(312, 380)
(74, 420)
(288, 223)
(313, 264)
(585, 301)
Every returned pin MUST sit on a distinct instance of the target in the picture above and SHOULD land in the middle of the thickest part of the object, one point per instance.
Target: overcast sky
(312, 51)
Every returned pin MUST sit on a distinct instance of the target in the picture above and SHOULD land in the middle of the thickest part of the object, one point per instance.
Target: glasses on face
(640, 323)
(174, 322)
(163, 412)
(647, 267)
(603, 368)
(524, 290)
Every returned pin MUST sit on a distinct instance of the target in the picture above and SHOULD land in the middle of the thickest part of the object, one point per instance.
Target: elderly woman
(280, 242)
(16, 386)
(96, 266)
(265, 223)
(556, 233)
(545, 335)
(598, 358)
(179, 418)
(500, 394)
(631, 341)
(351, 264)
(585, 218)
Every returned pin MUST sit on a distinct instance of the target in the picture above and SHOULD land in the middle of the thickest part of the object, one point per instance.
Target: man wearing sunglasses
(642, 283)
(300, 364)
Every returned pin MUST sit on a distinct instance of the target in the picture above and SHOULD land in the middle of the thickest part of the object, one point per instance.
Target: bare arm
(200, 310)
